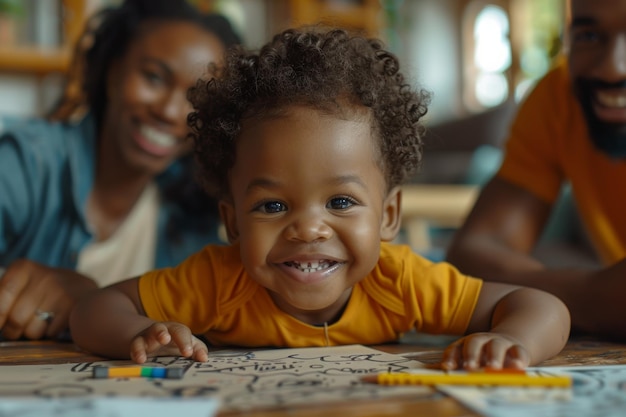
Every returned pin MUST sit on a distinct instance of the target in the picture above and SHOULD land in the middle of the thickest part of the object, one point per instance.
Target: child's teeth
(312, 266)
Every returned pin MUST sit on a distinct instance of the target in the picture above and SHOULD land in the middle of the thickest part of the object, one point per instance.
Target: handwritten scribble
(241, 379)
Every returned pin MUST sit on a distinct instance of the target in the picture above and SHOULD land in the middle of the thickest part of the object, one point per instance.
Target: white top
(130, 251)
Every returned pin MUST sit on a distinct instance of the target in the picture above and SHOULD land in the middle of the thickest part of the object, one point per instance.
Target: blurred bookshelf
(36, 36)
(360, 15)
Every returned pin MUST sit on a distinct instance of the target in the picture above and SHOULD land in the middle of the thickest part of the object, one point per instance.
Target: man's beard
(610, 138)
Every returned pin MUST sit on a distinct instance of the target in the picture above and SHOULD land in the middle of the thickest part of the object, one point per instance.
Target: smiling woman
(102, 190)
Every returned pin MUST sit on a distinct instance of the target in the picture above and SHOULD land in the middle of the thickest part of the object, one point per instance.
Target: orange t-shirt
(549, 145)
(212, 294)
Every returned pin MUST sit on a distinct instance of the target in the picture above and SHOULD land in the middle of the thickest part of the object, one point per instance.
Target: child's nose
(308, 228)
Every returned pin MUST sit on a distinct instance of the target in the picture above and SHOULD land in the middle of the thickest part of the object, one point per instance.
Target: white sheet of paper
(240, 379)
(110, 407)
(596, 391)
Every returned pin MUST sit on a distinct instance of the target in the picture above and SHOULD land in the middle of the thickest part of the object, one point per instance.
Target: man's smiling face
(597, 62)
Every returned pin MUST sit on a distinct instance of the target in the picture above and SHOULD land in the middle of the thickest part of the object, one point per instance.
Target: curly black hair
(322, 68)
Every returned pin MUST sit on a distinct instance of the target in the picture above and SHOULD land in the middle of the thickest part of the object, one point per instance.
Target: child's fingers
(485, 350)
(167, 339)
(452, 356)
(182, 338)
(149, 341)
(517, 357)
(200, 351)
(472, 351)
(188, 344)
(505, 353)
(494, 352)
(138, 350)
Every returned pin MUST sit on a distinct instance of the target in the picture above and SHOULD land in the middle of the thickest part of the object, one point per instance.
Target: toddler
(306, 144)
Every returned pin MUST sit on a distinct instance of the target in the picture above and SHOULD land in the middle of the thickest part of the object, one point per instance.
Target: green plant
(11, 7)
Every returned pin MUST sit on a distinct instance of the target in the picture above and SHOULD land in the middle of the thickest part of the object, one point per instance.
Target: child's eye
(271, 207)
(340, 203)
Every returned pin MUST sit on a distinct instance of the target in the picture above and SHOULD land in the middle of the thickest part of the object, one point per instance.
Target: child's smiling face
(309, 208)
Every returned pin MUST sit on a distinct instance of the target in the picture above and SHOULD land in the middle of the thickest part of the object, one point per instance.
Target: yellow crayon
(472, 378)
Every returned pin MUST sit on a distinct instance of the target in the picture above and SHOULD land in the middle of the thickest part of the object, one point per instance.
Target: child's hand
(481, 350)
(167, 339)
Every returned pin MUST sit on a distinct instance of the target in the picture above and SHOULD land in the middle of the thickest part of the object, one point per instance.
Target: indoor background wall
(427, 45)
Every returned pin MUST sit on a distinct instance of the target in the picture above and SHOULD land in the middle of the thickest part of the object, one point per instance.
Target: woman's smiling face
(145, 121)
(309, 207)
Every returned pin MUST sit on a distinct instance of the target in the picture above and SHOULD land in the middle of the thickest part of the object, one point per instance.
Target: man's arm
(500, 232)
(495, 244)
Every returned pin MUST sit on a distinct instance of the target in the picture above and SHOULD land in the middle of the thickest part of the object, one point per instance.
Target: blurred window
(507, 46)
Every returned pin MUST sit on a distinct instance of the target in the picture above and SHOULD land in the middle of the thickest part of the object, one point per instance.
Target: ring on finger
(46, 316)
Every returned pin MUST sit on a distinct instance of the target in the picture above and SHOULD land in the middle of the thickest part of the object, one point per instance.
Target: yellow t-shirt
(212, 294)
(549, 145)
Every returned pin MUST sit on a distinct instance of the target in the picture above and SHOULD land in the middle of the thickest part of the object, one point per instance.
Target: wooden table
(577, 352)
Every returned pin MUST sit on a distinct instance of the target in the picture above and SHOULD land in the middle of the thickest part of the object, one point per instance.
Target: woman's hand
(485, 350)
(167, 339)
(36, 300)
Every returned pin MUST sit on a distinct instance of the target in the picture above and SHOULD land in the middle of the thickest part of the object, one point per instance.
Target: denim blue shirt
(46, 174)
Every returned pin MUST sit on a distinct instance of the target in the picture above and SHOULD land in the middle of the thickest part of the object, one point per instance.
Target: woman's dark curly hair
(315, 67)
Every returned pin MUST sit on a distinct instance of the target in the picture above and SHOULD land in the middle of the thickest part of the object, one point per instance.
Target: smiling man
(571, 128)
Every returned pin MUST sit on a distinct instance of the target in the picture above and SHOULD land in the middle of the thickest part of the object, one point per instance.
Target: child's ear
(227, 214)
(391, 223)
